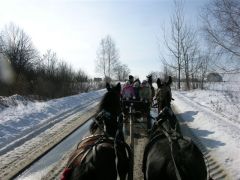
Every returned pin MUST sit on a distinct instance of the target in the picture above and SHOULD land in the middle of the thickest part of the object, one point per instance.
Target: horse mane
(96, 155)
(110, 103)
(182, 158)
(169, 82)
(160, 84)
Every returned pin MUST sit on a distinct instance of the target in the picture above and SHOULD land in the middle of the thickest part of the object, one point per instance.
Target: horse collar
(108, 115)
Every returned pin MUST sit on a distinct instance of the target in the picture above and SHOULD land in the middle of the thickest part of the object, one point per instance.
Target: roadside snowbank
(213, 116)
(25, 116)
(214, 119)
(14, 100)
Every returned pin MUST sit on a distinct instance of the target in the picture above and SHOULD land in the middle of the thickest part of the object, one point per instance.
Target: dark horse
(103, 155)
(163, 95)
(164, 98)
(169, 156)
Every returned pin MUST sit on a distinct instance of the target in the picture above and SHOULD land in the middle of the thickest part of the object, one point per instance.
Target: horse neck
(98, 131)
(165, 121)
(107, 125)
(166, 125)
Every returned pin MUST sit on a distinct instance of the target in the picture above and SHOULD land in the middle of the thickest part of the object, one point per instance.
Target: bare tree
(49, 61)
(81, 79)
(203, 68)
(121, 71)
(45, 76)
(1, 44)
(183, 47)
(107, 57)
(222, 26)
(81, 76)
(190, 54)
(174, 43)
(18, 47)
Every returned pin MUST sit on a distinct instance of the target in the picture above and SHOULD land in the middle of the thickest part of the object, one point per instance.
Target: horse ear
(118, 87)
(108, 87)
(159, 83)
(169, 80)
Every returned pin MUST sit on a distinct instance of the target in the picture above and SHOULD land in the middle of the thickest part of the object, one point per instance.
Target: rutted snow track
(20, 158)
(214, 169)
(195, 125)
(36, 130)
(51, 164)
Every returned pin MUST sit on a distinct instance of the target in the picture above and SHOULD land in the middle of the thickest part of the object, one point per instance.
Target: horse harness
(170, 138)
(89, 144)
(162, 93)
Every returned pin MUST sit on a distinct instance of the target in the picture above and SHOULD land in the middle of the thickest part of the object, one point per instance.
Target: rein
(101, 115)
(98, 137)
(116, 140)
(171, 147)
(166, 134)
(89, 144)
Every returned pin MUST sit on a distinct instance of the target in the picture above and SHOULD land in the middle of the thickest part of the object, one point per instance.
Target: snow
(23, 117)
(214, 118)
(212, 115)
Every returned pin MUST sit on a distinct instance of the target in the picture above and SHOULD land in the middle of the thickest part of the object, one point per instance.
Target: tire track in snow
(214, 169)
(23, 158)
(38, 129)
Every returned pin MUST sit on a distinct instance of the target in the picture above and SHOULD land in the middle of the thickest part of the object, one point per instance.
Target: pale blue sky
(73, 28)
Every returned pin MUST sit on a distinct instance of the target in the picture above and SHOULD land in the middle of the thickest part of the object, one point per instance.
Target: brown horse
(163, 95)
(169, 156)
(104, 154)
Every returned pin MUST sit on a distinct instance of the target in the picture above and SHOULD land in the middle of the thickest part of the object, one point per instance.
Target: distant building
(97, 79)
(107, 79)
(214, 77)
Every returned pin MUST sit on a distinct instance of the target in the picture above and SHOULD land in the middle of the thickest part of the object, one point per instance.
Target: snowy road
(75, 110)
(19, 158)
(218, 134)
(23, 122)
(211, 116)
(41, 167)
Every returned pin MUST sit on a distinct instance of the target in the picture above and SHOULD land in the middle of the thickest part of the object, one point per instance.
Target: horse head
(109, 112)
(111, 100)
(167, 121)
(100, 155)
(164, 95)
(169, 155)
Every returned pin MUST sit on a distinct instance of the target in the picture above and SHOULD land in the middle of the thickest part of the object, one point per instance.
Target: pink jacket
(128, 91)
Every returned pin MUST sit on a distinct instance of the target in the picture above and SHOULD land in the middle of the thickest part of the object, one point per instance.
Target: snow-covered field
(213, 116)
(23, 117)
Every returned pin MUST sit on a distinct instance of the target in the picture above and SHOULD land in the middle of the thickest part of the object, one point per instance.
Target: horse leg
(155, 169)
(156, 158)
(105, 162)
(149, 119)
(123, 161)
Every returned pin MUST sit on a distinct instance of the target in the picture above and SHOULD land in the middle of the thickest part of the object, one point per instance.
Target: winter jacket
(145, 93)
(128, 91)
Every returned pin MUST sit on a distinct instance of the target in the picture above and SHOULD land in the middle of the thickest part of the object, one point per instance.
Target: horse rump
(178, 159)
(99, 158)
